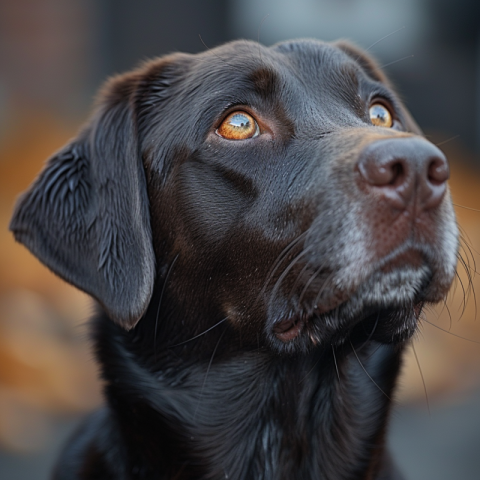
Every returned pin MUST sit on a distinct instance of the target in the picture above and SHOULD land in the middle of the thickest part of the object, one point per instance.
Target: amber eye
(238, 126)
(380, 116)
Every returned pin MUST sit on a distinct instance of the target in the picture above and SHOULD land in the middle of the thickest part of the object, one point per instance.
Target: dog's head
(286, 189)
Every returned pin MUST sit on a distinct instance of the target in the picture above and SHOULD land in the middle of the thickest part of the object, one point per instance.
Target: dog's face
(286, 189)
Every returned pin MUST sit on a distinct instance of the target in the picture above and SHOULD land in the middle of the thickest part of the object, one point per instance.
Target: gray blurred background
(54, 54)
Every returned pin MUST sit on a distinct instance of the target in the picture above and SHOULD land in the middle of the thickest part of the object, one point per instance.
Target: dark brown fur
(255, 296)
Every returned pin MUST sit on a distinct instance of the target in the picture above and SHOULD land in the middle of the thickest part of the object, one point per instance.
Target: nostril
(380, 173)
(398, 173)
(438, 171)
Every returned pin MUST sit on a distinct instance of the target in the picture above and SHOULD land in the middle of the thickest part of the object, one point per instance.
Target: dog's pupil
(239, 121)
(380, 116)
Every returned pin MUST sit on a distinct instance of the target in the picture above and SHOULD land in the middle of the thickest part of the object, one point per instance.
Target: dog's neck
(234, 416)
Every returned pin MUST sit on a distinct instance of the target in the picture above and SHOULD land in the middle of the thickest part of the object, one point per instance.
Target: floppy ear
(86, 216)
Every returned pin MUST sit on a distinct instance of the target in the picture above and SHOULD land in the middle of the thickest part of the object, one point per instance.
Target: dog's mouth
(288, 329)
(384, 324)
(386, 307)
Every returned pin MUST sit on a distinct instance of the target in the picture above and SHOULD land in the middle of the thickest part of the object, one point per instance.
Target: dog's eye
(380, 116)
(238, 126)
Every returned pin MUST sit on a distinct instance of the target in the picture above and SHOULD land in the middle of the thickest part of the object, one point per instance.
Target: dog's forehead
(247, 54)
(248, 62)
(243, 72)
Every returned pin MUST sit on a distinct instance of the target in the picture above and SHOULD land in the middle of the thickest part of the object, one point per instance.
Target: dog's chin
(385, 308)
(388, 325)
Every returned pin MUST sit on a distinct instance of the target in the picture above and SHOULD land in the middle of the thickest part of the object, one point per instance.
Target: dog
(261, 228)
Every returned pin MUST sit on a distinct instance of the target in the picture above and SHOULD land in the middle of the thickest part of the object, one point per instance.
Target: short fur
(255, 296)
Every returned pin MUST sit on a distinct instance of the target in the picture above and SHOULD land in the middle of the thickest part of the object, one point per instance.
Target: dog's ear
(86, 216)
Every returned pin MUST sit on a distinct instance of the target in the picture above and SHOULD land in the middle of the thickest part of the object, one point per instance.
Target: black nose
(401, 170)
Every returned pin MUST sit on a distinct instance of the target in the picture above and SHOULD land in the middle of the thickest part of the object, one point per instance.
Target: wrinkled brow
(264, 81)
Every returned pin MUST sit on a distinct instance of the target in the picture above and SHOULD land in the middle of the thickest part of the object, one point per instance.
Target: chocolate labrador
(261, 228)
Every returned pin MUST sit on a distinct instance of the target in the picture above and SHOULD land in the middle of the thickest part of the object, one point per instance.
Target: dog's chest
(263, 420)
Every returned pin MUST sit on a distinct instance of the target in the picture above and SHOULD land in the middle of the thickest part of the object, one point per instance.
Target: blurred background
(54, 54)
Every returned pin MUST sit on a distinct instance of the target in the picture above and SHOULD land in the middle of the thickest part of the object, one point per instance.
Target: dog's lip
(305, 320)
(289, 328)
(410, 256)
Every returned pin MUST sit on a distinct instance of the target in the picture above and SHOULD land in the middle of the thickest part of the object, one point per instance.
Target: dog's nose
(401, 170)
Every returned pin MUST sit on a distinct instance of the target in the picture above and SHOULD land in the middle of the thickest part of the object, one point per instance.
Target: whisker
(235, 67)
(297, 280)
(278, 261)
(446, 141)
(383, 38)
(324, 286)
(260, 28)
(449, 314)
(287, 270)
(396, 61)
(335, 315)
(206, 374)
(284, 253)
(467, 208)
(169, 271)
(258, 37)
(371, 333)
(310, 371)
(450, 333)
(469, 248)
(438, 313)
(421, 375)
(200, 334)
(464, 294)
(309, 282)
(368, 375)
(467, 268)
(468, 254)
(464, 237)
(335, 361)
